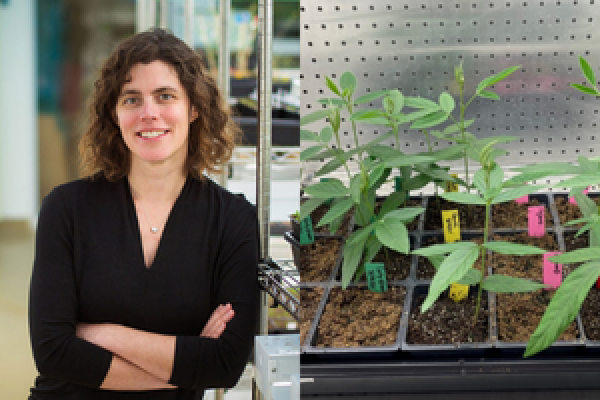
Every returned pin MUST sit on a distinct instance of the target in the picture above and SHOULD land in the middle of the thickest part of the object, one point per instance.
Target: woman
(145, 275)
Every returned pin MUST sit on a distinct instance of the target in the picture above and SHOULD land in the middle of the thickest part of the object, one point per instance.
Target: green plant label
(398, 183)
(376, 277)
(307, 234)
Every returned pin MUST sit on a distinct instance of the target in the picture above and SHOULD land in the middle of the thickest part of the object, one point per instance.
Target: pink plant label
(536, 220)
(523, 200)
(552, 271)
(572, 199)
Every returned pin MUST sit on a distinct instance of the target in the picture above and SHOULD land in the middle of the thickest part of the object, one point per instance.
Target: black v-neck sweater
(89, 267)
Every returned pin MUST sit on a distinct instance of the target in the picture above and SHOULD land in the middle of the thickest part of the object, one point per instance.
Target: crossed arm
(143, 360)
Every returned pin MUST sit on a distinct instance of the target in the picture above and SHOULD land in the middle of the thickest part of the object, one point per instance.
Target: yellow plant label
(451, 226)
(451, 186)
(458, 292)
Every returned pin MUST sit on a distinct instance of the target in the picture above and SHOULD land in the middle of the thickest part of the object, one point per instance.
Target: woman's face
(154, 115)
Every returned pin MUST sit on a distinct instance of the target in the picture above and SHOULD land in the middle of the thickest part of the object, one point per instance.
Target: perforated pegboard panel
(414, 45)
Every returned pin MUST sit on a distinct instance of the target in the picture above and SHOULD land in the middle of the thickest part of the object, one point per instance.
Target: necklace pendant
(154, 229)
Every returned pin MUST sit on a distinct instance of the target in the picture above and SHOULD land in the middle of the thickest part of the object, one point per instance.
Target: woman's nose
(149, 110)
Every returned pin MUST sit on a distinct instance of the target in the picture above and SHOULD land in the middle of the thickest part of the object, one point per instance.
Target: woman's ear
(194, 114)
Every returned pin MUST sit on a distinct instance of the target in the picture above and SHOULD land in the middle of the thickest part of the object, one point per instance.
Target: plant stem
(337, 141)
(462, 131)
(483, 251)
(349, 106)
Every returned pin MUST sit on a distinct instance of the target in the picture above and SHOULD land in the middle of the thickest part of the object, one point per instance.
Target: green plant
(454, 261)
(569, 297)
(386, 228)
(456, 132)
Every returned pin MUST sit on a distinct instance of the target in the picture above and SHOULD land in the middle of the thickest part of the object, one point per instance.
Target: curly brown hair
(212, 136)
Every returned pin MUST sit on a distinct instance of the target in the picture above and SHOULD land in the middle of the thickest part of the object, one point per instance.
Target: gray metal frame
(414, 45)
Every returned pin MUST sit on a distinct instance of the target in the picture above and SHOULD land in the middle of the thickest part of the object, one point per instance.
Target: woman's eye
(166, 96)
(130, 100)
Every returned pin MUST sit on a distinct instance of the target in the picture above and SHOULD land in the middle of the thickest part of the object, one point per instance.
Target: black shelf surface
(557, 377)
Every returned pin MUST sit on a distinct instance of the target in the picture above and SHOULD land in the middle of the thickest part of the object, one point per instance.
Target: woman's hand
(217, 321)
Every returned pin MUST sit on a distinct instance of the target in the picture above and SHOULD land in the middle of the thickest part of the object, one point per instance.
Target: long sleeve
(57, 352)
(202, 362)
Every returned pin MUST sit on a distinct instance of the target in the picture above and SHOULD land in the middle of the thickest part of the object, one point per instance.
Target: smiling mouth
(152, 134)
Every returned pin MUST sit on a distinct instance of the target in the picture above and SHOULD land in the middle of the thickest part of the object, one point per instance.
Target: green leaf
(486, 94)
(393, 234)
(330, 166)
(328, 153)
(408, 160)
(330, 189)
(513, 248)
(496, 177)
(419, 102)
(511, 194)
(309, 206)
(583, 229)
(392, 202)
(564, 307)
(448, 153)
(388, 105)
(334, 119)
(583, 180)
(510, 284)
(463, 198)
(579, 255)
(453, 128)
(479, 181)
(326, 134)
(585, 89)
(416, 115)
(352, 256)
(360, 235)
(348, 82)
(332, 101)
(379, 176)
(416, 182)
(588, 72)
(332, 86)
(433, 173)
(355, 188)
(397, 100)
(369, 97)
(577, 221)
(446, 102)
(383, 152)
(405, 214)
(443, 248)
(371, 249)
(490, 80)
(314, 116)
(366, 114)
(339, 208)
(308, 136)
(472, 277)
(452, 269)
(436, 260)
(430, 120)
(309, 152)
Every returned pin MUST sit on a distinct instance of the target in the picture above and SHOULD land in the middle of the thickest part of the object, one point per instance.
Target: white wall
(18, 112)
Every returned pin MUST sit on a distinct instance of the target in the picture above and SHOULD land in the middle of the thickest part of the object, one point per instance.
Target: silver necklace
(153, 229)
